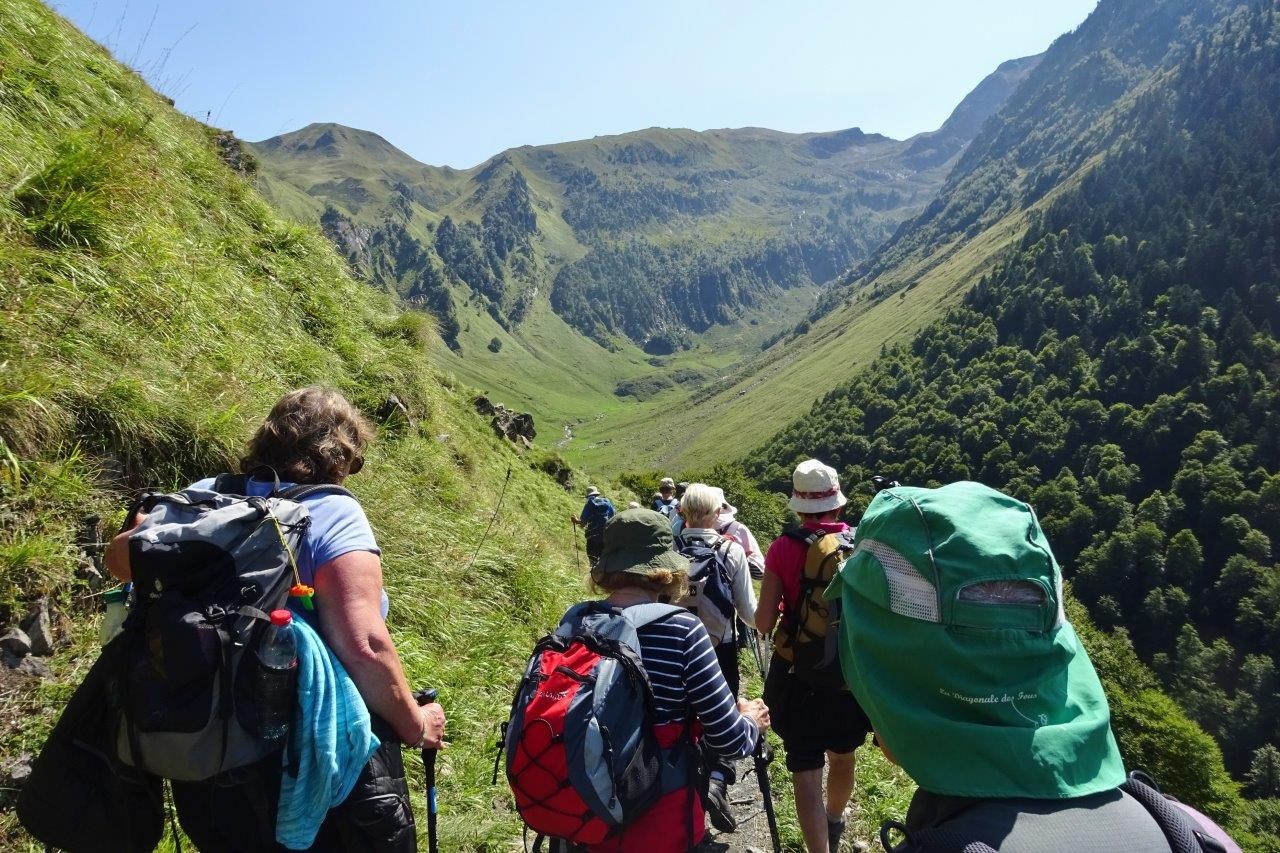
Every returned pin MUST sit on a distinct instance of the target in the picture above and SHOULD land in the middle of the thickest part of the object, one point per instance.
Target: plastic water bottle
(117, 610)
(277, 680)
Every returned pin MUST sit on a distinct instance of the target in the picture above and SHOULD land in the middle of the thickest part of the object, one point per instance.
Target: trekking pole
(764, 756)
(426, 697)
(493, 518)
(759, 655)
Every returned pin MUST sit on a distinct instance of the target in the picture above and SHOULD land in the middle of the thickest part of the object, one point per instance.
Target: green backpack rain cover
(973, 698)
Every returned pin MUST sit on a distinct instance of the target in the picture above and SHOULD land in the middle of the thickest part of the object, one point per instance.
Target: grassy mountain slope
(152, 307)
(1054, 129)
(1118, 369)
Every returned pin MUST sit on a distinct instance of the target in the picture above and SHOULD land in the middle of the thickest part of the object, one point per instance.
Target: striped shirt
(682, 667)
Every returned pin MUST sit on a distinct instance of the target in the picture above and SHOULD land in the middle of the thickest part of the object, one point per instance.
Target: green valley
(584, 278)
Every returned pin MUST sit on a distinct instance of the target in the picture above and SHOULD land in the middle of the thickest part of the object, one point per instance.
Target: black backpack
(208, 567)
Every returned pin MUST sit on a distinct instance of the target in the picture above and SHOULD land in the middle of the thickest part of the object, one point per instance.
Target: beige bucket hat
(815, 488)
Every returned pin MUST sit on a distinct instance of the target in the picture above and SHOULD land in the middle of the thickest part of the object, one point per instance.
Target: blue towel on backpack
(330, 742)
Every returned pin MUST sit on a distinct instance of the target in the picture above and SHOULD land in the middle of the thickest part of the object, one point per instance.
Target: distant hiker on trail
(957, 645)
(609, 807)
(720, 593)
(596, 512)
(816, 716)
(312, 437)
(729, 527)
(665, 500)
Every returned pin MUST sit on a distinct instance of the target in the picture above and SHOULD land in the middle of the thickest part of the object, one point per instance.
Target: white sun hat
(815, 488)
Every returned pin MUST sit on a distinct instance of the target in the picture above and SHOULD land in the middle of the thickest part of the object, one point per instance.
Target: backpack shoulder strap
(646, 614)
(297, 493)
(1178, 829)
(231, 484)
(804, 535)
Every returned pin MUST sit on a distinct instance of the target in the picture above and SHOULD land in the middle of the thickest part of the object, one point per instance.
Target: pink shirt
(730, 528)
(786, 560)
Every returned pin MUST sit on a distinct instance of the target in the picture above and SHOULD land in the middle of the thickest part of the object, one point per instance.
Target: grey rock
(15, 773)
(393, 409)
(88, 571)
(39, 629)
(90, 533)
(16, 643)
(34, 667)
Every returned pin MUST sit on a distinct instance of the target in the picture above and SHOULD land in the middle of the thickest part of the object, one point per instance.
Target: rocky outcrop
(233, 152)
(511, 425)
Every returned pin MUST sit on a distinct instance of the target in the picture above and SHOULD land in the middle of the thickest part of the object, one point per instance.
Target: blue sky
(456, 83)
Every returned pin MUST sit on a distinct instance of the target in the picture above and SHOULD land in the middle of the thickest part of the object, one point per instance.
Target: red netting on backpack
(539, 764)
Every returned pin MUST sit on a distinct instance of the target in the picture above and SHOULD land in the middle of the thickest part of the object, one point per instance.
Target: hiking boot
(718, 806)
(835, 829)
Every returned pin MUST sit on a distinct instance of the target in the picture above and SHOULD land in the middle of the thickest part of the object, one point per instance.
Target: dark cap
(639, 541)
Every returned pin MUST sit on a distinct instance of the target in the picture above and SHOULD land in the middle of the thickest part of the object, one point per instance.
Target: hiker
(818, 719)
(665, 500)
(596, 512)
(957, 645)
(729, 527)
(638, 572)
(315, 436)
(721, 594)
(677, 522)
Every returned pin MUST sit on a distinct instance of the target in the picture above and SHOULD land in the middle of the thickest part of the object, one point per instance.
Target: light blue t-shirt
(338, 526)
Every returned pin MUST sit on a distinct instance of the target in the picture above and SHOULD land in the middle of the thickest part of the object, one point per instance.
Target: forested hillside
(1120, 370)
(1053, 130)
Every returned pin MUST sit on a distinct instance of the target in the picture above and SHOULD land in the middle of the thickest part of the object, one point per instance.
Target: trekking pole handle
(426, 697)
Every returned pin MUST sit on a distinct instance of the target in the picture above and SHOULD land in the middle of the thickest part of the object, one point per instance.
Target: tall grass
(152, 307)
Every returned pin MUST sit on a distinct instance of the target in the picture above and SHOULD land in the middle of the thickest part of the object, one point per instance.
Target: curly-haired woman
(315, 436)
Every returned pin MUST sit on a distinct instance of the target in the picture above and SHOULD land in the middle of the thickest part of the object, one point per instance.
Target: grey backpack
(208, 567)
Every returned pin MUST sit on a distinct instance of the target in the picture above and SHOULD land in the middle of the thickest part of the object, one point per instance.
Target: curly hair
(668, 584)
(313, 435)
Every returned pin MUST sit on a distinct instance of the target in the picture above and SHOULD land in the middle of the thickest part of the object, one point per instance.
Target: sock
(718, 775)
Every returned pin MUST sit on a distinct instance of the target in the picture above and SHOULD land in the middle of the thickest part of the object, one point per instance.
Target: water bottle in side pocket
(277, 678)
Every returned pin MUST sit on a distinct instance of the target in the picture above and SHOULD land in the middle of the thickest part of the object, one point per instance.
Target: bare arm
(116, 556)
(349, 601)
(770, 597)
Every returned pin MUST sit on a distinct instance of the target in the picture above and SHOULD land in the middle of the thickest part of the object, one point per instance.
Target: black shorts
(236, 812)
(812, 720)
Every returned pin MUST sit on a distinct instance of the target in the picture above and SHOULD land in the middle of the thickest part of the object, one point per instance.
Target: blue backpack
(710, 584)
(596, 513)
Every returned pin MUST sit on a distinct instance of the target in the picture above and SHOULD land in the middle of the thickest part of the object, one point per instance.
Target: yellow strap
(293, 562)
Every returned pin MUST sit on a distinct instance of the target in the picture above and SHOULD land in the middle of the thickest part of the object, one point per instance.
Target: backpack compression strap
(1182, 834)
(935, 839)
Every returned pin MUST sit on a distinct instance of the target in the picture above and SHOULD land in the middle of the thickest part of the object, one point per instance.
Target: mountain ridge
(628, 256)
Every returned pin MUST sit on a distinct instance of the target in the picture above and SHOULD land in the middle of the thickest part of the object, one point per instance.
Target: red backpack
(584, 756)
